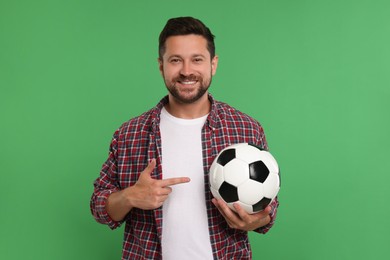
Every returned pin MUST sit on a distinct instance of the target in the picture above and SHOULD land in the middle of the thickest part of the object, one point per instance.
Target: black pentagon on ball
(226, 156)
(258, 171)
(228, 192)
(262, 204)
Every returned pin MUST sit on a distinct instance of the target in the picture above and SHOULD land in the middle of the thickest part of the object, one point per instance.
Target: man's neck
(197, 109)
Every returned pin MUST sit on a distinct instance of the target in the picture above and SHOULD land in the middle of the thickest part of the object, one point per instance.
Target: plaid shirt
(138, 141)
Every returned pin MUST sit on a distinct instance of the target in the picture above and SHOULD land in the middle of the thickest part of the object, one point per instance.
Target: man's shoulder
(237, 126)
(138, 123)
(144, 122)
(227, 112)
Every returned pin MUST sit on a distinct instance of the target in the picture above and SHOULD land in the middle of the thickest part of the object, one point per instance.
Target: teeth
(188, 82)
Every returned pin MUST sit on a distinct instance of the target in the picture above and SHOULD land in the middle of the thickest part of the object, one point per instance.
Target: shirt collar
(211, 119)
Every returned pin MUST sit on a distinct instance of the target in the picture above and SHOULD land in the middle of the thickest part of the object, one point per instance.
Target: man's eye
(175, 60)
(197, 60)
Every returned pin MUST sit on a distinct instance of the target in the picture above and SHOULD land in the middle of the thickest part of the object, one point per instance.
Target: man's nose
(186, 69)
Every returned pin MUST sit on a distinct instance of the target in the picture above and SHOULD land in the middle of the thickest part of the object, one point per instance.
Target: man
(156, 176)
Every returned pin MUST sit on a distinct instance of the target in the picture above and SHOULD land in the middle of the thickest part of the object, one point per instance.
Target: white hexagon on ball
(250, 192)
(236, 172)
(248, 153)
(271, 186)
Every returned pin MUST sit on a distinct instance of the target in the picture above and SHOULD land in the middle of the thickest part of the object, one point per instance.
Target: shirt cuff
(101, 213)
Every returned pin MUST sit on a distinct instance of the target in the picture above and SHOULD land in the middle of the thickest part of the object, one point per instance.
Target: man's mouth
(187, 82)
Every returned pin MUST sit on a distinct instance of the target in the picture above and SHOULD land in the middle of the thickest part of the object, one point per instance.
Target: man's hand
(147, 193)
(242, 220)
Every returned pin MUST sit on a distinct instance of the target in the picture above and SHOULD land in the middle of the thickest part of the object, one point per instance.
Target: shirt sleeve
(104, 186)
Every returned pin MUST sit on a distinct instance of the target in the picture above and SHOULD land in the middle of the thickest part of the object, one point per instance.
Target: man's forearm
(117, 205)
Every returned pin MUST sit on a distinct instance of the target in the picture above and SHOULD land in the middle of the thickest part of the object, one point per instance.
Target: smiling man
(156, 176)
(187, 68)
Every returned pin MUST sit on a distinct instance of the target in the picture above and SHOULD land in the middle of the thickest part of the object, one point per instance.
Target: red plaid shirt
(138, 141)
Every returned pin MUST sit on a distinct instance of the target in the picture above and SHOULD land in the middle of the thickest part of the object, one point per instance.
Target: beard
(191, 94)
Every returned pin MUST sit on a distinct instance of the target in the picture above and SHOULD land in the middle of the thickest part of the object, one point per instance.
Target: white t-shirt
(185, 226)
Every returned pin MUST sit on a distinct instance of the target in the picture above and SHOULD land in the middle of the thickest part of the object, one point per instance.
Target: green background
(314, 73)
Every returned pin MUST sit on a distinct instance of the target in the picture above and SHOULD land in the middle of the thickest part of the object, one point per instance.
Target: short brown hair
(185, 26)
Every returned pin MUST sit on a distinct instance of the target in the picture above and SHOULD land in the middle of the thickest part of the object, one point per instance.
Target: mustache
(186, 78)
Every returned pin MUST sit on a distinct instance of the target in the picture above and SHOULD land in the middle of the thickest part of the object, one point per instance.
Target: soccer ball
(245, 174)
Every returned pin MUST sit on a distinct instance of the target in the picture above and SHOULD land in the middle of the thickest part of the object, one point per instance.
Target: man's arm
(104, 186)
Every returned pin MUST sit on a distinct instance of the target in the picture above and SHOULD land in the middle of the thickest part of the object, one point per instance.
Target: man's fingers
(267, 210)
(146, 174)
(241, 219)
(174, 181)
(264, 213)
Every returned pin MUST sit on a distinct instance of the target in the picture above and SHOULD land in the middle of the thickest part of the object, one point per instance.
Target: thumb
(149, 169)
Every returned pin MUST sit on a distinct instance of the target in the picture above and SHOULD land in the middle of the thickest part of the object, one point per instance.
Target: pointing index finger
(174, 181)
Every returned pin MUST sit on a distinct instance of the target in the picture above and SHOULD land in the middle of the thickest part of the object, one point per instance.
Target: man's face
(187, 68)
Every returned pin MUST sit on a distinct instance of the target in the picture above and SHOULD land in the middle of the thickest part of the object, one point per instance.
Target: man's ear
(214, 65)
(160, 65)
